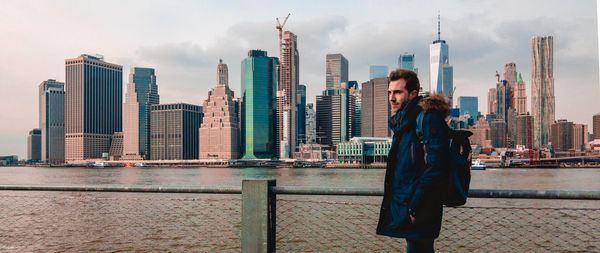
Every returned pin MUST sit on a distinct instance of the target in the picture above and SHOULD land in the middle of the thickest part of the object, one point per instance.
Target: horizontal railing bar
(134, 188)
(306, 190)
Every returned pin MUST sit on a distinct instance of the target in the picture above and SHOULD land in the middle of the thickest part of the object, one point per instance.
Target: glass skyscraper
(439, 66)
(468, 105)
(301, 104)
(52, 121)
(407, 61)
(259, 88)
(376, 71)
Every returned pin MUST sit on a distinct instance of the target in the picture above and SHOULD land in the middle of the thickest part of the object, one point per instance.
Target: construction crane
(280, 28)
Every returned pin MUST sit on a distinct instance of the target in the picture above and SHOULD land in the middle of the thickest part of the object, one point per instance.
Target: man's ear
(414, 94)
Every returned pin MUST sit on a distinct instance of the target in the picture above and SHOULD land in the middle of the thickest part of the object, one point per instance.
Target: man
(416, 166)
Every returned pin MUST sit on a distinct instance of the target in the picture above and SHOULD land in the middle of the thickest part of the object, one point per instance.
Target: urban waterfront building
(259, 117)
(93, 106)
(364, 150)
(116, 147)
(375, 108)
(336, 71)
(219, 130)
(301, 100)
(498, 133)
(521, 100)
(468, 105)
(481, 134)
(311, 121)
(34, 145)
(542, 88)
(52, 121)
(525, 130)
(407, 61)
(174, 131)
(580, 137)
(510, 75)
(334, 117)
(289, 74)
(440, 70)
(596, 126)
(356, 97)
(561, 135)
(376, 71)
(142, 93)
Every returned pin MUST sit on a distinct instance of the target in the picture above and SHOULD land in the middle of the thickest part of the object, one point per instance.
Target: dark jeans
(419, 246)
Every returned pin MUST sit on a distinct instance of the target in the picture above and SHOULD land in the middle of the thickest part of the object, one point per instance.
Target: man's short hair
(410, 77)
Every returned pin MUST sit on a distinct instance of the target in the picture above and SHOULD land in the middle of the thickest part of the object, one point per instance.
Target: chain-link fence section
(123, 222)
(305, 225)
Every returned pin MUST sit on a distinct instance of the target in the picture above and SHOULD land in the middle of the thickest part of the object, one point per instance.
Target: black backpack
(459, 177)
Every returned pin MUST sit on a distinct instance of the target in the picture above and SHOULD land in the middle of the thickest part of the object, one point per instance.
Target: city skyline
(185, 63)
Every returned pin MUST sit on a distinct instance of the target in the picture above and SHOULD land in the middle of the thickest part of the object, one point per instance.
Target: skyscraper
(34, 145)
(301, 108)
(439, 65)
(580, 137)
(310, 124)
(492, 103)
(561, 135)
(219, 130)
(596, 126)
(524, 130)
(259, 118)
(142, 93)
(378, 71)
(542, 88)
(510, 75)
(468, 105)
(375, 108)
(407, 61)
(93, 106)
(521, 102)
(336, 71)
(174, 131)
(335, 111)
(289, 73)
(52, 121)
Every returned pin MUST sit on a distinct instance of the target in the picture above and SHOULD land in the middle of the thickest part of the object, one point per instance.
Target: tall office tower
(174, 131)
(524, 130)
(378, 71)
(289, 73)
(407, 61)
(142, 93)
(222, 74)
(468, 105)
(93, 106)
(335, 111)
(502, 99)
(596, 126)
(481, 134)
(219, 130)
(439, 66)
(116, 146)
(521, 101)
(561, 135)
(237, 101)
(259, 115)
(580, 137)
(542, 88)
(498, 133)
(375, 108)
(301, 108)
(510, 75)
(492, 103)
(34, 145)
(355, 97)
(336, 71)
(311, 135)
(52, 121)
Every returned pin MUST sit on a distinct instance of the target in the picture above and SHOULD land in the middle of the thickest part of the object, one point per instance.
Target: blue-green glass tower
(259, 89)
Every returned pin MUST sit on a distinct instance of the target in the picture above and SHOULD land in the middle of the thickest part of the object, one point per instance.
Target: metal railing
(267, 218)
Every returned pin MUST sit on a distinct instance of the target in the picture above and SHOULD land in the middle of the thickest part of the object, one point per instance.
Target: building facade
(34, 145)
(492, 103)
(142, 93)
(542, 88)
(336, 71)
(52, 121)
(219, 130)
(93, 106)
(561, 135)
(174, 131)
(521, 100)
(259, 115)
(376, 71)
(375, 108)
(311, 134)
(580, 137)
(406, 61)
(596, 126)
(469, 105)
(289, 74)
(301, 105)
(438, 61)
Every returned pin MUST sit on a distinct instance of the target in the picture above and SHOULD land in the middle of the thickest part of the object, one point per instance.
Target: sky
(184, 40)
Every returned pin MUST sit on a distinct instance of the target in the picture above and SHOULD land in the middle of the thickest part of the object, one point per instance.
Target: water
(555, 179)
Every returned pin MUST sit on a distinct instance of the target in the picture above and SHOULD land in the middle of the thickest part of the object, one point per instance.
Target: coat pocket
(399, 212)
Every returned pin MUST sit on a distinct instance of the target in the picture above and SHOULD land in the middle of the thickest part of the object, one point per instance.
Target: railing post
(258, 215)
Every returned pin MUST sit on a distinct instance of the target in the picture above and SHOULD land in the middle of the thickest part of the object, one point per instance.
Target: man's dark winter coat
(414, 177)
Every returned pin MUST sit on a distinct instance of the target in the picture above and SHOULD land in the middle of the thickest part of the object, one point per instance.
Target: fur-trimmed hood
(436, 102)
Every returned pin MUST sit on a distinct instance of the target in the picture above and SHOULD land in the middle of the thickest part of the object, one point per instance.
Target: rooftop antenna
(439, 33)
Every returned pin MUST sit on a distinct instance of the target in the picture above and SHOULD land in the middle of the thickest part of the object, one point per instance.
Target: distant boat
(140, 165)
(478, 165)
(100, 164)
